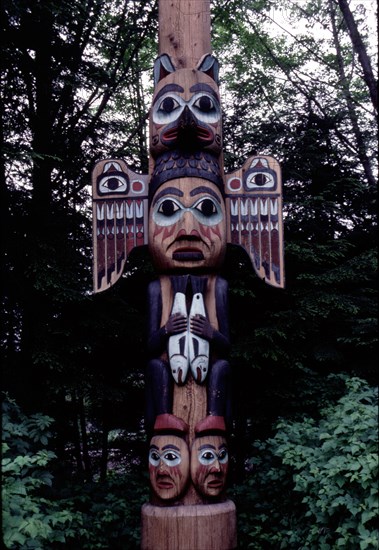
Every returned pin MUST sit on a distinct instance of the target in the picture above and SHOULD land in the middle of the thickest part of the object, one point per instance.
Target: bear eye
(205, 104)
(168, 105)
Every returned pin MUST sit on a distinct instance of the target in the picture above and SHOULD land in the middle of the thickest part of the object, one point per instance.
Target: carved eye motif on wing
(260, 176)
(112, 180)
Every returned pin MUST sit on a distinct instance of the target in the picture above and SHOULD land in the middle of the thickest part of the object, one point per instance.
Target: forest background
(298, 82)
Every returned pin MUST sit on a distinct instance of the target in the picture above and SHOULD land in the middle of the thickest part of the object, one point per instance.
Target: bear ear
(209, 65)
(162, 67)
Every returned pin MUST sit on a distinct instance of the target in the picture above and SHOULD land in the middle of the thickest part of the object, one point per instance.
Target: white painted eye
(167, 211)
(171, 458)
(112, 184)
(261, 180)
(206, 107)
(167, 109)
(208, 211)
(223, 456)
(207, 457)
(168, 208)
(154, 457)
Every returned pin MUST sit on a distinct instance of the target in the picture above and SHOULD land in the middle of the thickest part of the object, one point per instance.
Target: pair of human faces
(171, 465)
(187, 226)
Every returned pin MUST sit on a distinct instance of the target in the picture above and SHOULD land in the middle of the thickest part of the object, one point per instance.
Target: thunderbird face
(186, 114)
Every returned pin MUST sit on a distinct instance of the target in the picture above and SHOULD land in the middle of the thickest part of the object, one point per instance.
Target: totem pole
(187, 210)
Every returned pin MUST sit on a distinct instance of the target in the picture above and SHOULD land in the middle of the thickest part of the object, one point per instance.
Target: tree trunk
(361, 146)
(361, 51)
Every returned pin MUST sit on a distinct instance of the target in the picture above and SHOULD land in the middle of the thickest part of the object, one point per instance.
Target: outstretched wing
(120, 206)
(254, 215)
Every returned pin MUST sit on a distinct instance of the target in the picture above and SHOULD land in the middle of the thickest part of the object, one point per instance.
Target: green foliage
(37, 515)
(314, 484)
(29, 519)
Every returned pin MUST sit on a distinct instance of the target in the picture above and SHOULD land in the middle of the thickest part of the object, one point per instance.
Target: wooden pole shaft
(184, 31)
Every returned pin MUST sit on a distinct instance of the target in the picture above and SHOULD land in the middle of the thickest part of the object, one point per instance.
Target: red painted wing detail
(120, 205)
(254, 216)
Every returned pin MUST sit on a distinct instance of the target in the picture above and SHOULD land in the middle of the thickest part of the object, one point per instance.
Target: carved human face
(187, 225)
(168, 466)
(209, 464)
(186, 114)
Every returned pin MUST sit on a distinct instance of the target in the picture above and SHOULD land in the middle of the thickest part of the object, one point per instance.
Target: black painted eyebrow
(170, 446)
(203, 189)
(201, 87)
(207, 446)
(168, 88)
(167, 191)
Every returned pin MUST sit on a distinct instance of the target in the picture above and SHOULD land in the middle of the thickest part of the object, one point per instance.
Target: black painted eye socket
(168, 105)
(168, 208)
(204, 104)
(207, 208)
(154, 455)
(260, 179)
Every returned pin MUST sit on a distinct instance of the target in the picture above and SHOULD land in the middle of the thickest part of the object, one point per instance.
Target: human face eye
(167, 211)
(208, 211)
(223, 456)
(206, 107)
(171, 458)
(154, 458)
(167, 109)
(168, 207)
(207, 457)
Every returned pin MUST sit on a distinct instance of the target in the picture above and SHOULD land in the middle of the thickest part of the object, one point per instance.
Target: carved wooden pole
(187, 211)
(184, 31)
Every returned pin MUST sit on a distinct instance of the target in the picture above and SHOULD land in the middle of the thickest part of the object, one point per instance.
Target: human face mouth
(188, 247)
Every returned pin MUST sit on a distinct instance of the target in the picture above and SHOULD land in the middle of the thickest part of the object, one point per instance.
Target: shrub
(29, 520)
(84, 515)
(315, 482)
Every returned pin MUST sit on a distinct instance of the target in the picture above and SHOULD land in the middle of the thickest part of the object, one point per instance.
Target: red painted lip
(170, 134)
(203, 134)
(164, 484)
(215, 483)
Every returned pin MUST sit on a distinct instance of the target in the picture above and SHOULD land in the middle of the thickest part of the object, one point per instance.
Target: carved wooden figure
(187, 211)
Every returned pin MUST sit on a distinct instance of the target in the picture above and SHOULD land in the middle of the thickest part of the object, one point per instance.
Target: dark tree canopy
(76, 87)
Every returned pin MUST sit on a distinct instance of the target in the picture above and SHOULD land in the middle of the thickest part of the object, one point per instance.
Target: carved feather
(253, 197)
(120, 205)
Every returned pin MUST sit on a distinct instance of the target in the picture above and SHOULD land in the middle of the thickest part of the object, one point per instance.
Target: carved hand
(201, 327)
(176, 323)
